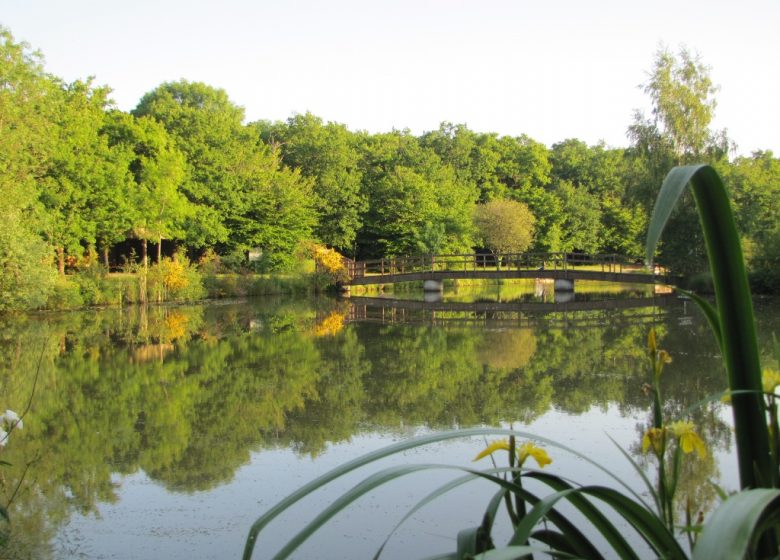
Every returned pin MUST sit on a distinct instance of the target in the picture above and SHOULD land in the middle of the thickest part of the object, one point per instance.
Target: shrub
(174, 280)
(66, 295)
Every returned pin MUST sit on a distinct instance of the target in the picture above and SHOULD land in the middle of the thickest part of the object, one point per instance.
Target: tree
(597, 213)
(523, 169)
(243, 197)
(416, 203)
(505, 226)
(156, 207)
(325, 154)
(65, 183)
(25, 149)
(678, 132)
(207, 128)
(681, 91)
(457, 147)
(754, 184)
(580, 219)
(623, 227)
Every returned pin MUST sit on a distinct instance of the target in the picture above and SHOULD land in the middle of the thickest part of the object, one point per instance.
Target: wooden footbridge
(566, 267)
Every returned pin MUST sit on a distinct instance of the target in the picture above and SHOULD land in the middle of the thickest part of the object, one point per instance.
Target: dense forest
(184, 172)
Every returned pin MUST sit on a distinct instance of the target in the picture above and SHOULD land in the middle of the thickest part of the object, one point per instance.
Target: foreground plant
(744, 525)
(666, 439)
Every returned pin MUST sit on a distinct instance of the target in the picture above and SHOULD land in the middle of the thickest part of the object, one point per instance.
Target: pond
(164, 432)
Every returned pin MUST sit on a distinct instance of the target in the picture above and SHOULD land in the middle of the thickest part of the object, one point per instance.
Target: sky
(552, 70)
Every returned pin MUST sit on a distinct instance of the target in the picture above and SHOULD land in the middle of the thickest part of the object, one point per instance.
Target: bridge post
(433, 286)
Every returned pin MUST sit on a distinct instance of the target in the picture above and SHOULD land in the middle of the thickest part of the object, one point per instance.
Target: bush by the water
(169, 280)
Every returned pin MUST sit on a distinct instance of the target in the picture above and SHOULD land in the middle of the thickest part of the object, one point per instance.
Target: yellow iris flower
(528, 449)
(689, 439)
(770, 379)
(654, 437)
(523, 451)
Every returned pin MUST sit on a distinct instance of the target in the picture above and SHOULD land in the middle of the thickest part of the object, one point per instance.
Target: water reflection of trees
(187, 393)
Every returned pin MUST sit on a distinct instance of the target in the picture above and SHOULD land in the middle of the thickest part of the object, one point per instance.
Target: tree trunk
(143, 253)
(159, 250)
(105, 256)
(61, 260)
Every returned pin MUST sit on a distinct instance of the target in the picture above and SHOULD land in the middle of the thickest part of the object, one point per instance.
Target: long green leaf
(646, 523)
(735, 309)
(517, 552)
(538, 512)
(371, 483)
(350, 466)
(710, 313)
(472, 541)
(650, 526)
(438, 492)
(649, 485)
(399, 447)
(735, 526)
(576, 541)
(556, 541)
(594, 516)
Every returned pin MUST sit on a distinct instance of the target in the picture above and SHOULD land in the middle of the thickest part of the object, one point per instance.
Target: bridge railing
(488, 261)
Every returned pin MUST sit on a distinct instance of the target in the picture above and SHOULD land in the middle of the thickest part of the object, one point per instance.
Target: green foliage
(242, 285)
(505, 226)
(175, 280)
(597, 211)
(754, 184)
(243, 197)
(65, 295)
(681, 90)
(153, 207)
(25, 278)
(184, 167)
(325, 153)
(416, 203)
(579, 222)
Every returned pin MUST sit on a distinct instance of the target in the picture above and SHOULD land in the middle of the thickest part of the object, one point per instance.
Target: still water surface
(164, 433)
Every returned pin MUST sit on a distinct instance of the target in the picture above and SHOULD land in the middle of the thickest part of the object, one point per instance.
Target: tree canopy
(504, 226)
(184, 167)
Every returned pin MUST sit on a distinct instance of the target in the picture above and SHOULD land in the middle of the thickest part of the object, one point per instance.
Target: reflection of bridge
(565, 267)
(573, 313)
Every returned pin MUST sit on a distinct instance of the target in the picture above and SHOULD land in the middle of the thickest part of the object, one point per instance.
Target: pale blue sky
(549, 69)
